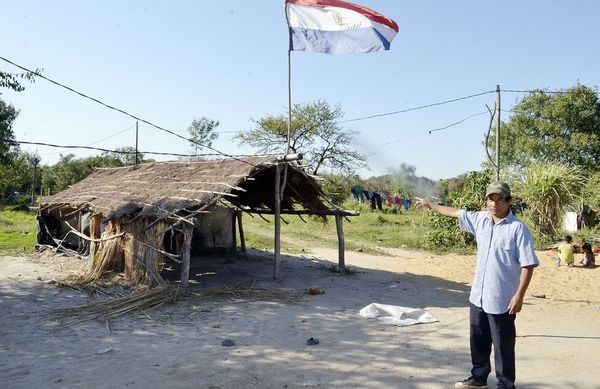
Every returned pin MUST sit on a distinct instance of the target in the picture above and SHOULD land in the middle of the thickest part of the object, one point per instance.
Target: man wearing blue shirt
(505, 262)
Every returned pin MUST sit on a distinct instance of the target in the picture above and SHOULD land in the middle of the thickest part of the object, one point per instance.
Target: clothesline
(377, 199)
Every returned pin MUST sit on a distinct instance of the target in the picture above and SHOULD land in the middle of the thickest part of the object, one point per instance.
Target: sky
(169, 62)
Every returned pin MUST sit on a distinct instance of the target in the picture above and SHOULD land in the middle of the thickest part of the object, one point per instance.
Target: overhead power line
(436, 129)
(110, 136)
(122, 111)
(532, 91)
(419, 107)
(119, 151)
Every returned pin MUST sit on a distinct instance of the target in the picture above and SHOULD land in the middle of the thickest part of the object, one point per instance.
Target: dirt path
(180, 345)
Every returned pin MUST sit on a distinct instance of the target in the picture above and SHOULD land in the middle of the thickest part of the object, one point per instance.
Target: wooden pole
(185, 254)
(242, 240)
(35, 161)
(289, 55)
(136, 143)
(277, 248)
(341, 245)
(233, 233)
(497, 132)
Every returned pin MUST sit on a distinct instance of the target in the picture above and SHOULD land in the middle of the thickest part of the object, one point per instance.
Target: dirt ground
(181, 345)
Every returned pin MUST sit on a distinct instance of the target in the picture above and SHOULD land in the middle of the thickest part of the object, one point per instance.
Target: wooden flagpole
(280, 179)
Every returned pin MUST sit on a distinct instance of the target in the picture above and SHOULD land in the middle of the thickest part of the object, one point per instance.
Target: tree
(553, 128)
(202, 133)
(8, 114)
(314, 132)
(16, 175)
(11, 80)
(69, 170)
(124, 156)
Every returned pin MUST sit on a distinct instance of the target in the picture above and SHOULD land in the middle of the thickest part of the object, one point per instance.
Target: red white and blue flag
(337, 27)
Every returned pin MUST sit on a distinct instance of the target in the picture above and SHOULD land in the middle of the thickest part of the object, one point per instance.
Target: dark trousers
(499, 330)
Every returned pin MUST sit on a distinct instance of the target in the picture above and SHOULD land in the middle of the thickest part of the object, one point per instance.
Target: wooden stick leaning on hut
(83, 236)
(59, 243)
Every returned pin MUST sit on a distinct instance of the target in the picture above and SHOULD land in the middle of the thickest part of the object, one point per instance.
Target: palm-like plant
(548, 189)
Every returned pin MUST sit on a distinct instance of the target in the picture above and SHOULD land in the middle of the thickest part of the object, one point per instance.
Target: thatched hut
(132, 218)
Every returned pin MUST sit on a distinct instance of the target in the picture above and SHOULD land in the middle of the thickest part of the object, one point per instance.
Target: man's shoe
(470, 383)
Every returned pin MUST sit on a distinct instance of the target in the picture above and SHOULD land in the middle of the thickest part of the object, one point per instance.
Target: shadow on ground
(181, 345)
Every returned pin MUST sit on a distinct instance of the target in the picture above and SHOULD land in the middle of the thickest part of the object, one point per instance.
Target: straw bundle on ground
(108, 310)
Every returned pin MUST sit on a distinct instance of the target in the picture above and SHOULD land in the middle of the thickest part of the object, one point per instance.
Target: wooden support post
(233, 232)
(95, 233)
(240, 226)
(341, 245)
(185, 254)
(80, 241)
(277, 245)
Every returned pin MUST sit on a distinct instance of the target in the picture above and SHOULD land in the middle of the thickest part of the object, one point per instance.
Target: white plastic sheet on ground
(399, 316)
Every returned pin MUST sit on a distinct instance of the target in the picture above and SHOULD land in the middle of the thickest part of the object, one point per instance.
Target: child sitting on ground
(589, 259)
(566, 251)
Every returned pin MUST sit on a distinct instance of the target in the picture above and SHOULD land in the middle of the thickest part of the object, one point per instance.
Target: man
(505, 262)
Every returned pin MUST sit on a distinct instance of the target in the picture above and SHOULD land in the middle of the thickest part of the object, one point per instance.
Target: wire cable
(532, 91)
(419, 107)
(436, 129)
(123, 151)
(122, 111)
(110, 136)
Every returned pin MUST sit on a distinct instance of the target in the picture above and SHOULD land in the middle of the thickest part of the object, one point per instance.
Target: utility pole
(35, 160)
(136, 142)
(497, 132)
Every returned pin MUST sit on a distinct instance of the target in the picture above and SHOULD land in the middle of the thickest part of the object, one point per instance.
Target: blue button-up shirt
(503, 249)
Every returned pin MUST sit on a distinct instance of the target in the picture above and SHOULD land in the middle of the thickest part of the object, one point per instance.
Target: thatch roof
(158, 190)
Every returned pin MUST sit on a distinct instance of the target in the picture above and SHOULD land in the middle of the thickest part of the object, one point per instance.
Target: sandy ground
(180, 345)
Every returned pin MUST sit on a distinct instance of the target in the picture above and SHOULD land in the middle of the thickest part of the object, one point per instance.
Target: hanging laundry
(357, 193)
(406, 203)
(378, 200)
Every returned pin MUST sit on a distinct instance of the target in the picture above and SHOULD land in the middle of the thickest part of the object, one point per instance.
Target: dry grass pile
(110, 289)
(111, 309)
(240, 293)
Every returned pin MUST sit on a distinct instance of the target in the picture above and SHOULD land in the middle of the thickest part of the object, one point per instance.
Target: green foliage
(591, 191)
(554, 128)
(8, 114)
(337, 187)
(69, 170)
(17, 232)
(548, 189)
(471, 196)
(125, 156)
(17, 176)
(314, 133)
(12, 80)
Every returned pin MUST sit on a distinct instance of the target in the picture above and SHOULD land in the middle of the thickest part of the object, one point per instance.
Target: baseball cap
(498, 187)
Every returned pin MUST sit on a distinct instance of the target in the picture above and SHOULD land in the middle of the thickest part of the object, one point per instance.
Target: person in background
(566, 251)
(504, 267)
(589, 258)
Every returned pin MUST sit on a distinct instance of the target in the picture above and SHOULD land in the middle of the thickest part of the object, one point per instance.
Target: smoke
(405, 177)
